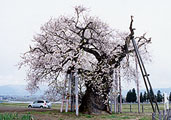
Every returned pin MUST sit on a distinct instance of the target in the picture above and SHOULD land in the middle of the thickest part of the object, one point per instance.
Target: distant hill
(19, 90)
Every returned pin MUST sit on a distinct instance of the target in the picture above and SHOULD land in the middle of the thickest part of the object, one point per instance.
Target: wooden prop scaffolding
(145, 76)
(70, 94)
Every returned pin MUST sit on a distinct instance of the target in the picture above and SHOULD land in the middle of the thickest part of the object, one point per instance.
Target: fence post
(118, 108)
(153, 116)
(130, 108)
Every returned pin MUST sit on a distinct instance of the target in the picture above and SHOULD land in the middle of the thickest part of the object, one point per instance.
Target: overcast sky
(21, 19)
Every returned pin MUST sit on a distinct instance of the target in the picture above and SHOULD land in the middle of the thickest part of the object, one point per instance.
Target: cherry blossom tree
(83, 43)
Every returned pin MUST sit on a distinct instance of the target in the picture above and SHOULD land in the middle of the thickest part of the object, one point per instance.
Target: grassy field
(55, 114)
(14, 104)
(125, 107)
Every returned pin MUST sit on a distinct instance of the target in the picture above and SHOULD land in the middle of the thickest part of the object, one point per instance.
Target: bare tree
(84, 43)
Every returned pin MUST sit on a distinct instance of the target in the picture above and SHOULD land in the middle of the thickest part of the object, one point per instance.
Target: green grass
(71, 116)
(145, 118)
(105, 116)
(125, 107)
(126, 115)
(14, 104)
(15, 116)
(134, 108)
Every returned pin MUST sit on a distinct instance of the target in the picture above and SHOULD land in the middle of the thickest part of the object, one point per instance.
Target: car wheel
(29, 106)
(41, 107)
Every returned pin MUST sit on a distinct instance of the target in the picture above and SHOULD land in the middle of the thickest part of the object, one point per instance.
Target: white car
(40, 104)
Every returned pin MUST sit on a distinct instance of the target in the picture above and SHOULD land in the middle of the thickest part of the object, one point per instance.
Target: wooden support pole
(120, 91)
(116, 91)
(137, 81)
(72, 91)
(62, 103)
(67, 94)
(64, 93)
(69, 89)
(76, 92)
(111, 101)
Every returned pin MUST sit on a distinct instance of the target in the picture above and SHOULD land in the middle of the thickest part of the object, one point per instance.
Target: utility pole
(137, 81)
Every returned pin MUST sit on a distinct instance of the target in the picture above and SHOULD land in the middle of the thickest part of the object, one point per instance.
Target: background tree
(85, 44)
(170, 96)
(159, 96)
(151, 94)
(128, 96)
(134, 96)
(141, 98)
(145, 97)
(119, 99)
(148, 97)
(131, 96)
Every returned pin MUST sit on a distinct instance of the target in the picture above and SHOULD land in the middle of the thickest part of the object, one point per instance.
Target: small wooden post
(130, 108)
(118, 108)
(76, 92)
(142, 108)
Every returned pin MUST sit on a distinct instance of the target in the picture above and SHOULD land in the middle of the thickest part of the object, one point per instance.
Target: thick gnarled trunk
(93, 103)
